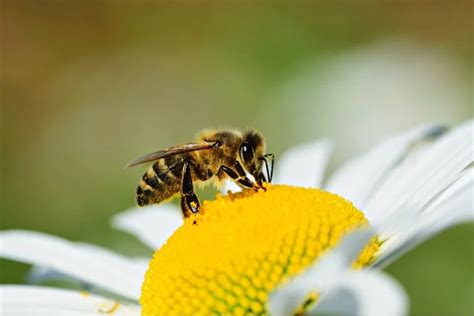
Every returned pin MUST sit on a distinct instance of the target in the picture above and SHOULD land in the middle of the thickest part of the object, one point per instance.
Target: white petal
(303, 165)
(459, 196)
(90, 264)
(358, 178)
(153, 224)
(416, 182)
(22, 300)
(321, 275)
(363, 293)
(39, 274)
(343, 290)
(455, 205)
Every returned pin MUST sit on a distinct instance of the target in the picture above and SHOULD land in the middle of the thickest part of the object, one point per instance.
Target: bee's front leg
(243, 175)
(269, 170)
(239, 177)
(189, 200)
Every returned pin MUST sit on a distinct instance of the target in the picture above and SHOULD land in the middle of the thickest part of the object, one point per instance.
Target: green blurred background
(88, 85)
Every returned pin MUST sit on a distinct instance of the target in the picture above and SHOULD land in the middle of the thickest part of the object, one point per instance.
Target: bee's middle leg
(189, 200)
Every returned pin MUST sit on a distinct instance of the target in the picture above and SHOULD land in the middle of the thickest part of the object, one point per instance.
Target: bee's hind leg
(189, 200)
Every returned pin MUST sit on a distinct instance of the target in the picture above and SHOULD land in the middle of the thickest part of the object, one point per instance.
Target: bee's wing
(175, 150)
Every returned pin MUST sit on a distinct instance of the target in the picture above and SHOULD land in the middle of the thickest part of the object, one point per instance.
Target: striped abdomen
(161, 181)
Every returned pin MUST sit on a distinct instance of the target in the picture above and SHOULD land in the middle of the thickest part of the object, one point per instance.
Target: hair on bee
(215, 155)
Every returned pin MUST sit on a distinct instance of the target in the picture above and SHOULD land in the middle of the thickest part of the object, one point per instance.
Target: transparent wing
(171, 151)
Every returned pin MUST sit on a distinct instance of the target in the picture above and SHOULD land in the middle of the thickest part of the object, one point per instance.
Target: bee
(216, 155)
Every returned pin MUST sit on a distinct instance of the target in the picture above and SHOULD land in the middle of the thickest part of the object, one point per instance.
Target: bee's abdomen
(158, 184)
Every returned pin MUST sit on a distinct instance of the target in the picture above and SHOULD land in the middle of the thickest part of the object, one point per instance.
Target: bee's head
(251, 149)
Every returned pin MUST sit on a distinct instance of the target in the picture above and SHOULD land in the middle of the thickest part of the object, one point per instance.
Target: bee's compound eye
(246, 152)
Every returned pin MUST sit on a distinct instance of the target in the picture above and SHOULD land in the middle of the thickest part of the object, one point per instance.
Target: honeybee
(215, 155)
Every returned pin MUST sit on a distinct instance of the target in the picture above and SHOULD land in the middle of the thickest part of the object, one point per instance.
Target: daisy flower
(291, 250)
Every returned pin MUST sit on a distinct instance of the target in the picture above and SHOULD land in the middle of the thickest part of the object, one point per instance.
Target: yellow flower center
(242, 247)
